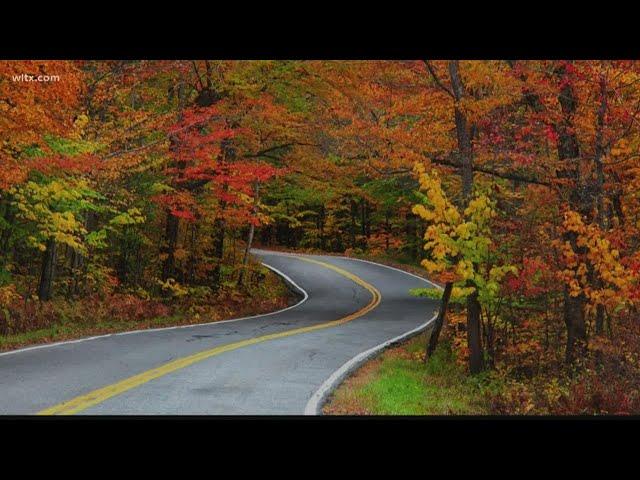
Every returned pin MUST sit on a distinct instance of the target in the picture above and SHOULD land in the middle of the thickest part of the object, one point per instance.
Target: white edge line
(68, 342)
(317, 400)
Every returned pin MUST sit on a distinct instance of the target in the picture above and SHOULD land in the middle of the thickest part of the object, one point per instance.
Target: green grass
(399, 383)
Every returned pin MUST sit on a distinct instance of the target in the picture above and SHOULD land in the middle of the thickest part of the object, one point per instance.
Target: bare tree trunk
(220, 227)
(474, 337)
(599, 187)
(321, 222)
(48, 271)
(465, 147)
(169, 248)
(387, 229)
(569, 153)
(616, 200)
(5, 236)
(218, 253)
(247, 249)
(576, 345)
(354, 213)
(77, 260)
(437, 328)
(172, 223)
(252, 228)
(364, 227)
(193, 259)
(463, 133)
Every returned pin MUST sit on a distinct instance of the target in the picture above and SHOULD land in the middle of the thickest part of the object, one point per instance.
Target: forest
(132, 193)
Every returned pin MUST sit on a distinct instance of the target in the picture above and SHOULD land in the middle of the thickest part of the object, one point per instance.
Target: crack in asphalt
(275, 324)
(213, 335)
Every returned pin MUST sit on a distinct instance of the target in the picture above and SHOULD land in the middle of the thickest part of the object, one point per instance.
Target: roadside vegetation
(33, 322)
(399, 383)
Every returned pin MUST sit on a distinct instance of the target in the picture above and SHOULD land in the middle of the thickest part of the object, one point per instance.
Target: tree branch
(266, 151)
(437, 80)
(490, 171)
(476, 168)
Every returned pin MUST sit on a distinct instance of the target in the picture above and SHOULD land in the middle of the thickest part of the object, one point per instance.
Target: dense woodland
(513, 183)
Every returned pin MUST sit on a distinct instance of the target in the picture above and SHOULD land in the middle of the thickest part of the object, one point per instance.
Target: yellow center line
(95, 397)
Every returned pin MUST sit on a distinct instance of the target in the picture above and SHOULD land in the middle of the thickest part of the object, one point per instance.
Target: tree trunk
(321, 222)
(252, 228)
(387, 229)
(172, 223)
(437, 328)
(576, 327)
(77, 261)
(465, 147)
(476, 357)
(354, 213)
(245, 259)
(600, 152)
(48, 271)
(169, 248)
(218, 253)
(193, 258)
(600, 320)
(364, 228)
(569, 153)
(5, 236)
(616, 198)
(463, 133)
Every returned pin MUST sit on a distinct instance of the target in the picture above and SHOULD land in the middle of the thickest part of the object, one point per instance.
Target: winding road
(281, 363)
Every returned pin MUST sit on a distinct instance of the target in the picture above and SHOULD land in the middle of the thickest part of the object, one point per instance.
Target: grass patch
(399, 383)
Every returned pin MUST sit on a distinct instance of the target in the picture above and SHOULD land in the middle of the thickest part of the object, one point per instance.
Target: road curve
(273, 364)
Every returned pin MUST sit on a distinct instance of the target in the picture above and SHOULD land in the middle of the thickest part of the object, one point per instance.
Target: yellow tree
(460, 248)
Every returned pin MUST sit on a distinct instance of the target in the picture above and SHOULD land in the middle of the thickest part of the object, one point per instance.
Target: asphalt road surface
(265, 365)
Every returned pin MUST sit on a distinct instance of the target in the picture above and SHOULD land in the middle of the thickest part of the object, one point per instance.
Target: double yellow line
(95, 397)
